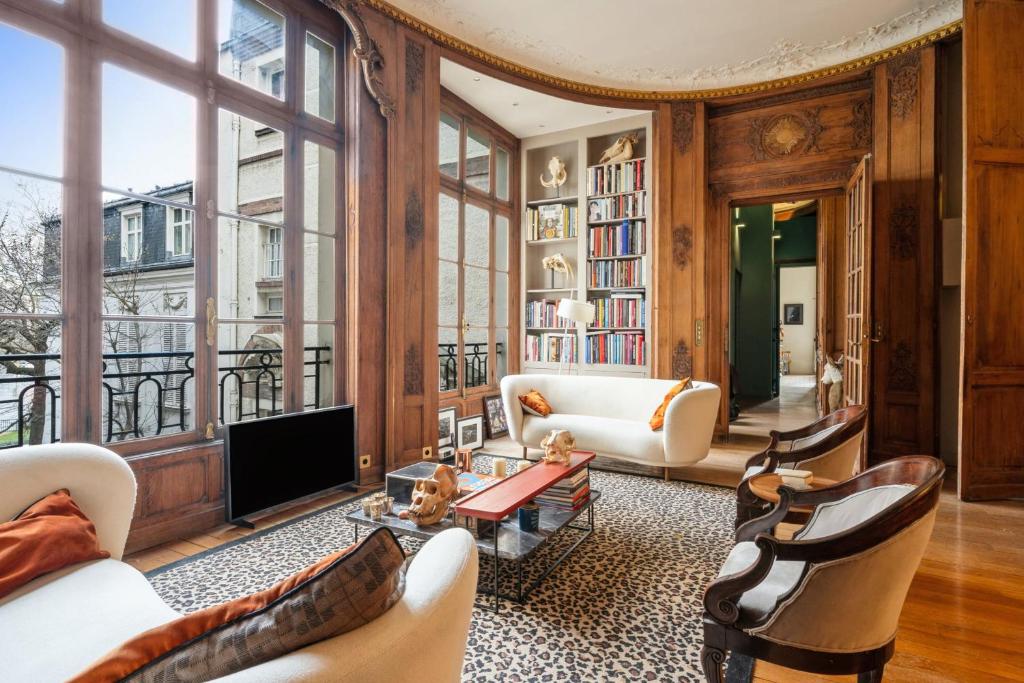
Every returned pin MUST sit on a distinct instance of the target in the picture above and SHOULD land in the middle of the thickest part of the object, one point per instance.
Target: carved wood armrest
(764, 524)
(721, 597)
(769, 454)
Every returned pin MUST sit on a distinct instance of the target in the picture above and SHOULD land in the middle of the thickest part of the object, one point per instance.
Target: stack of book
(551, 348)
(626, 272)
(621, 206)
(550, 222)
(542, 313)
(570, 493)
(621, 310)
(617, 348)
(611, 178)
(628, 238)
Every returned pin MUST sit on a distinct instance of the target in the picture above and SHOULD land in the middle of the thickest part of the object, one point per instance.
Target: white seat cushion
(759, 601)
(55, 626)
(752, 470)
(604, 435)
(842, 515)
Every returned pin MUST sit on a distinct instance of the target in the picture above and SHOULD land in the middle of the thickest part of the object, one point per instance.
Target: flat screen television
(274, 460)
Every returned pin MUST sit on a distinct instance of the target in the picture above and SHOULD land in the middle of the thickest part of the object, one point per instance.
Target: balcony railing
(475, 363)
(129, 378)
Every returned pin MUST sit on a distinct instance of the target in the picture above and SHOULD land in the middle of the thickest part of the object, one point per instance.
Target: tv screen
(275, 460)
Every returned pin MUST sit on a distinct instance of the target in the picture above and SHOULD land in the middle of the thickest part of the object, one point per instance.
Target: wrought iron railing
(475, 364)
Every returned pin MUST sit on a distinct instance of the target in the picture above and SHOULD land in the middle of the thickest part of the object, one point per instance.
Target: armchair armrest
(721, 599)
(759, 458)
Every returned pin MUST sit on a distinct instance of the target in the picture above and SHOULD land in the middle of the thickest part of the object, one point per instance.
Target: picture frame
(446, 427)
(792, 314)
(470, 432)
(445, 453)
(494, 411)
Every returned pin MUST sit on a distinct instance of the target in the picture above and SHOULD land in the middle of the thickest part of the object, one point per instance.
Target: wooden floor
(964, 615)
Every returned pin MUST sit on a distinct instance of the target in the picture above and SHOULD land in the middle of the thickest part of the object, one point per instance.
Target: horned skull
(622, 150)
(558, 445)
(431, 497)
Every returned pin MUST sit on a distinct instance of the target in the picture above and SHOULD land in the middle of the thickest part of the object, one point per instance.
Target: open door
(858, 285)
(992, 352)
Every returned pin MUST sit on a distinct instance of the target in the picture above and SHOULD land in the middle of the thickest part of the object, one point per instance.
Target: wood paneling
(831, 274)
(992, 393)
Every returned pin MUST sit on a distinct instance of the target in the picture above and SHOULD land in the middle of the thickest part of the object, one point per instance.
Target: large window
(199, 280)
(475, 212)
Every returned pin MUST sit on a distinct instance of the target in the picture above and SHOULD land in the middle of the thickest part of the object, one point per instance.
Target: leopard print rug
(625, 606)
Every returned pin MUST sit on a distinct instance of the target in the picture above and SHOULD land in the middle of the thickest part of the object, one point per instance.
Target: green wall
(753, 311)
(799, 240)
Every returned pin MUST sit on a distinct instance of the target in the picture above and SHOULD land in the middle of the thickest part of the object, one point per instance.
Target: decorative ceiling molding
(788, 63)
(366, 52)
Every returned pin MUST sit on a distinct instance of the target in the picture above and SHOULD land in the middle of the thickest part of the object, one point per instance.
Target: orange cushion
(535, 404)
(51, 534)
(658, 419)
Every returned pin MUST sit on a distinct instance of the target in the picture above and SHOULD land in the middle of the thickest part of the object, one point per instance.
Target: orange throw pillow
(51, 534)
(535, 404)
(658, 419)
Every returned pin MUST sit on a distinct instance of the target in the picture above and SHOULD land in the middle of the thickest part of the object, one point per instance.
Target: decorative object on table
(529, 517)
(558, 446)
(431, 497)
(500, 468)
(376, 510)
(557, 175)
(470, 432)
(622, 150)
(534, 403)
(796, 479)
(400, 483)
(792, 314)
(522, 465)
(571, 309)
(445, 427)
(464, 460)
(494, 409)
(570, 493)
(366, 503)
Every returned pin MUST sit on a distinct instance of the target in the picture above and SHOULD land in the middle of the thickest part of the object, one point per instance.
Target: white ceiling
(682, 44)
(522, 112)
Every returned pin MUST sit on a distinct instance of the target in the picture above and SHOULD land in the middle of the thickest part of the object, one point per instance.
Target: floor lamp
(572, 309)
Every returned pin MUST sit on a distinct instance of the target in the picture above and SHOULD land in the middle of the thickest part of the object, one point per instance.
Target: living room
(363, 340)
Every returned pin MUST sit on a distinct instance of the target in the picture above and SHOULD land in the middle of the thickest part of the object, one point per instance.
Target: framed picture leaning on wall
(470, 432)
(445, 427)
(494, 411)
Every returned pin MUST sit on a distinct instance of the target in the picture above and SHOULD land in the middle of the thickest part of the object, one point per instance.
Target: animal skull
(556, 169)
(431, 497)
(558, 445)
(622, 150)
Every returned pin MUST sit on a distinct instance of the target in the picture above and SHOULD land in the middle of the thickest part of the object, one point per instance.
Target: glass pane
(474, 348)
(501, 168)
(448, 294)
(319, 188)
(251, 40)
(318, 366)
(477, 296)
(478, 160)
(501, 349)
(148, 378)
(501, 299)
(319, 77)
(250, 264)
(448, 358)
(477, 240)
(250, 167)
(31, 125)
(169, 25)
(449, 146)
(149, 133)
(318, 277)
(250, 376)
(30, 245)
(500, 242)
(448, 240)
(30, 370)
(147, 248)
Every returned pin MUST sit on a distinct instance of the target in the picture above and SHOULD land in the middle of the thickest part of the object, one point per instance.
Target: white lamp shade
(577, 311)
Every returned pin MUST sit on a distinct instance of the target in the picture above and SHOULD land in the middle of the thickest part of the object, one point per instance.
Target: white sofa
(56, 625)
(610, 415)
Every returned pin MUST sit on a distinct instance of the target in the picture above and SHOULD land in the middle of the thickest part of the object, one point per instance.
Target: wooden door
(858, 284)
(992, 352)
(831, 317)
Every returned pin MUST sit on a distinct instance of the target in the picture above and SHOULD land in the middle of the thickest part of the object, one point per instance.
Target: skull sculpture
(558, 445)
(622, 150)
(431, 497)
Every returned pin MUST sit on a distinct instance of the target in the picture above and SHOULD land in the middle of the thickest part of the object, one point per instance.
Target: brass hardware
(879, 333)
(211, 322)
(209, 430)
(428, 452)
(465, 327)
(699, 332)
(364, 461)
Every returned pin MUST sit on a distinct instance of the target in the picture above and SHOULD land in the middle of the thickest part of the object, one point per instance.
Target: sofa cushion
(534, 403)
(759, 601)
(53, 627)
(603, 435)
(657, 420)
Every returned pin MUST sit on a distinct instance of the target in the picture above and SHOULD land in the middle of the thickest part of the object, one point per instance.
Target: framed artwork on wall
(445, 427)
(494, 411)
(792, 314)
(470, 432)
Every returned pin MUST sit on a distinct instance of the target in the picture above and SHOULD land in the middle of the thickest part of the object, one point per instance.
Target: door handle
(879, 334)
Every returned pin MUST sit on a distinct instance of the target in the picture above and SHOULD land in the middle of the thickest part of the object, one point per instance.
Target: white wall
(797, 286)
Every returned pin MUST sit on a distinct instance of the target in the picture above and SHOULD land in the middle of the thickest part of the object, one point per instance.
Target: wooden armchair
(828, 601)
(829, 448)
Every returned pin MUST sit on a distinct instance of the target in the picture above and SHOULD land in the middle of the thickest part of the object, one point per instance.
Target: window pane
(448, 294)
(251, 39)
(448, 358)
(318, 366)
(448, 240)
(30, 370)
(249, 370)
(500, 242)
(501, 167)
(147, 252)
(250, 168)
(477, 240)
(478, 292)
(318, 277)
(148, 378)
(149, 133)
(31, 125)
(478, 159)
(250, 265)
(501, 299)
(30, 245)
(449, 146)
(319, 77)
(476, 358)
(169, 25)
(319, 207)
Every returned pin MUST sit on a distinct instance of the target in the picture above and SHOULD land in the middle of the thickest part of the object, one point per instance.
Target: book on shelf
(543, 313)
(624, 176)
(551, 222)
(620, 310)
(632, 205)
(617, 348)
(628, 273)
(551, 347)
(628, 238)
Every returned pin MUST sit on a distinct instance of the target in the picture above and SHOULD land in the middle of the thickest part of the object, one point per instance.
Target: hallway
(794, 407)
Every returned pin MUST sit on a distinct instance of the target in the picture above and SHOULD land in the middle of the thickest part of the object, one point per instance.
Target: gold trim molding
(449, 41)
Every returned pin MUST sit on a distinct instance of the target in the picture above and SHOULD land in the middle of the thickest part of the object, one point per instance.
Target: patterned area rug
(626, 606)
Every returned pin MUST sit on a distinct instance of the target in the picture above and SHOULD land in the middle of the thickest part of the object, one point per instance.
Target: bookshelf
(598, 221)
